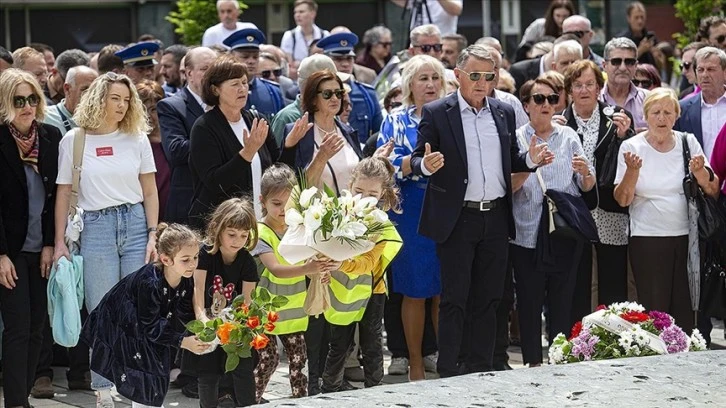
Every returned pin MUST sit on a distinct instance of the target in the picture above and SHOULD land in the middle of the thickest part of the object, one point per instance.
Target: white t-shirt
(217, 33)
(295, 39)
(239, 128)
(446, 22)
(111, 166)
(659, 208)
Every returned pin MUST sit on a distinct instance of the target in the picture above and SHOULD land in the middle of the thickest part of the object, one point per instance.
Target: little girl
(351, 283)
(226, 269)
(133, 329)
(281, 278)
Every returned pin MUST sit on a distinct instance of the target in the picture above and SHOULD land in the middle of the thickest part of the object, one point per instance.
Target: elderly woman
(601, 128)
(378, 48)
(230, 147)
(29, 165)
(544, 265)
(117, 192)
(415, 271)
(658, 241)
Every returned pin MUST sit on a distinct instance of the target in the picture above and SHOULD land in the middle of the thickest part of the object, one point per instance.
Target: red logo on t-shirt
(104, 151)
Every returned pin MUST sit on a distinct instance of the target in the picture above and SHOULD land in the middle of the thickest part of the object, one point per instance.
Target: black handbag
(711, 217)
(713, 292)
(610, 163)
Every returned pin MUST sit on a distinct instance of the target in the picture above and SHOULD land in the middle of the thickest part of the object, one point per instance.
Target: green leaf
(235, 336)
(244, 352)
(253, 294)
(279, 301)
(192, 17)
(231, 363)
(329, 191)
(207, 335)
(238, 300)
(230, 348)
(195, 326)
(264, 296)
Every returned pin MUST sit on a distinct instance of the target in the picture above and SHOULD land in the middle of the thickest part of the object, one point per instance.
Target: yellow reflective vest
(350, 292)
(293, 318)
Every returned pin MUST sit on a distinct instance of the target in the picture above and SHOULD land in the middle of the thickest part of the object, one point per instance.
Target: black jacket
(218, 171)
(523, 71)
(14, 189)
(602, 196)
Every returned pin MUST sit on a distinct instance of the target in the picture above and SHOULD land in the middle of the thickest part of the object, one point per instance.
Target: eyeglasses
(540, 99)
(685, 66)
(328, 93)
(589, 86)
(426, 48)
(269, 72)
(629, 62)
(386, 44)
(720, 39)
(578, 34)
(642, 83)
(475, 76)
(20, 101)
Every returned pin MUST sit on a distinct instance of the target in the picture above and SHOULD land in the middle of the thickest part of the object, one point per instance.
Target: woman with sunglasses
(544, 265)
(601, 129)
(378, 48)
(29, 165)
(646, 77)
(117, 193)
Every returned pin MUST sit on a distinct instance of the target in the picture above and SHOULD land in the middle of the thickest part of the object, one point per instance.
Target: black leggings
(243, 383)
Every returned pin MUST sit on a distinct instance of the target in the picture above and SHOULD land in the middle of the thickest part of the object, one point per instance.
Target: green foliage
(691, 12)
(193, 17)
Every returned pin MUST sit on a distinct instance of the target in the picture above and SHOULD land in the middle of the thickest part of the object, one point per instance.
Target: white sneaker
(398, 366)
(104, 399)
(430, 362)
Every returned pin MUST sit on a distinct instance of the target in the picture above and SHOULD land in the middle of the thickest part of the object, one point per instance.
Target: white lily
(379, 215)
(293, 217)
(365, 205)
(349, 230)
(314, 217)
(307, 195)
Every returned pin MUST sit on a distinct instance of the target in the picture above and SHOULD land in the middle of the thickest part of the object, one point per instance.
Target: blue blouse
(401, 126)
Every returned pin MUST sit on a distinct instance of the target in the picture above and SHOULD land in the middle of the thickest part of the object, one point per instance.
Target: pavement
(278, 388)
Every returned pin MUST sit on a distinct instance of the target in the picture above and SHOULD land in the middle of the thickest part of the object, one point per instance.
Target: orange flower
(253, 322)
(224, 331)
(272, 316)
(244, 308)
(269, 326)
(259, 342)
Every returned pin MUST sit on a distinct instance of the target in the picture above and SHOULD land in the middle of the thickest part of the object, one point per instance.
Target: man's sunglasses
(20, 101)
(269, 72)
(685, 66)
(629, 62)
(328, 93)
(427, 48)
(540, 99)
(578, 34)
(475, 76)
(642, 83)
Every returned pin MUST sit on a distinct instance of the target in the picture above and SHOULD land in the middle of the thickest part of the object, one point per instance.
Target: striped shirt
(527, 201)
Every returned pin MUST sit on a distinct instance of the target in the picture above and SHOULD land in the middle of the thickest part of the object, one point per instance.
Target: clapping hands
(254, 139)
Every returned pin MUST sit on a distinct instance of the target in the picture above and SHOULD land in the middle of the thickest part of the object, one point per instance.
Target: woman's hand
(633, 161)
(580, 166)
(46, 261)
(330, 146)
(193, 344)
(254, 139)
(559, 119)
(60, 250)
(299, 130)
(151, 248)
(385, 149)
(433, 161)
(540, 154)
(696, 163)
(8, 275)
(622, 122)
(325, 278)
(314, 266)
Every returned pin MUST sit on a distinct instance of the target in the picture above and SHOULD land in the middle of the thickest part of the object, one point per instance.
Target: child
(226, 269)
(133, 329)
(351, 283)
(281, 278)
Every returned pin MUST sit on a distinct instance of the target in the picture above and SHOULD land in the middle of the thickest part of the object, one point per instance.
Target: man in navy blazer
(467, 208)
(177, 115)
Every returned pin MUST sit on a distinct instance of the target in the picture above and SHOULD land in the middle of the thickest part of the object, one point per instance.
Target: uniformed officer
(365, 116)
(139, 60)
(265, 96)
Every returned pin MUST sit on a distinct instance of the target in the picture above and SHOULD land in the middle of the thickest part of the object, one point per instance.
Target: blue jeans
(113, 245)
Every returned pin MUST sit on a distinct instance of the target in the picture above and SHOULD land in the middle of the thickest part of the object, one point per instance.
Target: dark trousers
(370, 334)
(243, 384)
(395, 336)
(503, 310)
(612, 278)
(24, 311)
(77, 356)
(317, 339)
(473, 266)
(539, 285)
(661, 276)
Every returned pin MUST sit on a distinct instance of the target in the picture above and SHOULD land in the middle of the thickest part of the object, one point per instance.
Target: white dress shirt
(713, 118)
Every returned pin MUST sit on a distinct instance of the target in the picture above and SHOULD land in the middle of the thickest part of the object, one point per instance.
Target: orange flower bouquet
(240, 327)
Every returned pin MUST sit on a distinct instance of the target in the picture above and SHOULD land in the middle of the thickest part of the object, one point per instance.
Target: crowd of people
(467, 151)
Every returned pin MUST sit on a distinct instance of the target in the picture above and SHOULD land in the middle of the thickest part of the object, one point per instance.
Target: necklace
(326, 133)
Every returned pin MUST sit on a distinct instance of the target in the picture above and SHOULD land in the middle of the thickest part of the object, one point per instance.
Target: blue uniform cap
(139, 55)
(340, 44)
(245, 38)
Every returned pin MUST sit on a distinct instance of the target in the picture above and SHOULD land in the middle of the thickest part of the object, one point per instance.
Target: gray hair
(373, 35)
(490, 41)
(568, 47)
(220, 2)
(461, 41)
(78, 69)
(479, 52)
(310, 65)
(178, 51)
(576, 18)
(69, 59)
(496, 56)
(426, 30)
(620, 43)
(413, 66)
(707, 52)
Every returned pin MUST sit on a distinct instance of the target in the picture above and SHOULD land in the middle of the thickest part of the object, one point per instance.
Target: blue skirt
(415, 271)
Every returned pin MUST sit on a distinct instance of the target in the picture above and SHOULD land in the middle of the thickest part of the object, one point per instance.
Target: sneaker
(354, 374)
(43, 388)
(398, 366)
(104, 399)
(430, 362)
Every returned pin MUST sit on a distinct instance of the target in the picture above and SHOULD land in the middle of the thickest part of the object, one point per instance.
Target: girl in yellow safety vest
(281, 278)
(357, 286)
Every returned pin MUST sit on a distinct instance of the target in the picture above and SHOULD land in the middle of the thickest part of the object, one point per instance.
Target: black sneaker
(191, 390)
(313, 388)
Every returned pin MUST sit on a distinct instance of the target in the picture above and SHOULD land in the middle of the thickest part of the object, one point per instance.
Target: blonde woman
(117, 193)
(28, 163)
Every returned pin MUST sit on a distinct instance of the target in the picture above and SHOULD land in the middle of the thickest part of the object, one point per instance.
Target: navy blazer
(177, 115)
(690, 120)
(441, 127)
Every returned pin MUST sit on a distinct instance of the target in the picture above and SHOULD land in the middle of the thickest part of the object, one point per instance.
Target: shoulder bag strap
(79, 142)
(686, 152)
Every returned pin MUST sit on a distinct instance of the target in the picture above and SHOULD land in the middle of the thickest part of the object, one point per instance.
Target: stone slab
(678, 380)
